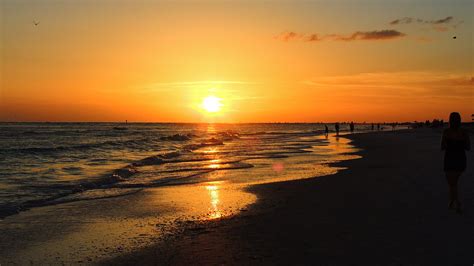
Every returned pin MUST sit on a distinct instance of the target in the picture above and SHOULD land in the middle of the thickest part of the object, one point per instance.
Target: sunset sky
(259, 61)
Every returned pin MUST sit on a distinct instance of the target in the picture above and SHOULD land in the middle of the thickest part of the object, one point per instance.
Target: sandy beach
(388, 208)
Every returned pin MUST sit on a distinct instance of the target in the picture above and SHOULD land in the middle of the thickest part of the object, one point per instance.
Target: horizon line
(149, 122)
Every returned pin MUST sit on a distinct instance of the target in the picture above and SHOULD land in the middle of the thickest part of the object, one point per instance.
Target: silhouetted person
(351, 126)
(372, 126)
(326, 130)
(336, 126)
(378, 126)
(455, 142)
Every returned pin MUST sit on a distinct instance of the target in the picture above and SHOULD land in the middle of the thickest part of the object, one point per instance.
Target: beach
(385, 205)
(388, 208)
(77, 193)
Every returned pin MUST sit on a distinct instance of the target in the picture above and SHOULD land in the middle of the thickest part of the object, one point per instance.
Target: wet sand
(388, 208)
(85, 232)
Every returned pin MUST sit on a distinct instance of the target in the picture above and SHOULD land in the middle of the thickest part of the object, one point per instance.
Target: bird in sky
(454, 37)
(36, 23)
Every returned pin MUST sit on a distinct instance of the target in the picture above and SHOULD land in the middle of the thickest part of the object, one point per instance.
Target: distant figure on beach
(336, 126)
(455, 142)
(326, 130)
(378, 126)
(351, 125)
(372, 126)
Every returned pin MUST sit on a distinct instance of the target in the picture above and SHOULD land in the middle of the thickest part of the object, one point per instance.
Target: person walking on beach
(351, 125)
(336, 126)
(372, 127)
(455, 142)
(326, 130)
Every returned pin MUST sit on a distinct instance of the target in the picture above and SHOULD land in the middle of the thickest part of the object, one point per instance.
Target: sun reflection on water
(210, 150)
(214, 211)
(214, 164)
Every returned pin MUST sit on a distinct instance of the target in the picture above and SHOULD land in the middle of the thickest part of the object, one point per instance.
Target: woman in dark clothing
(455, 142)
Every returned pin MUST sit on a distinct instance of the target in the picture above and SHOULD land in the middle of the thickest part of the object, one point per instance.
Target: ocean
(50, 163)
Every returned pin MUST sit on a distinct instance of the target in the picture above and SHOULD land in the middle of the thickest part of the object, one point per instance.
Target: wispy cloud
(288, 36)
(441, 25)
(409, 20)
(369, 35)
(405, 21)
(374, 35)
(442, 21)
(313, 38)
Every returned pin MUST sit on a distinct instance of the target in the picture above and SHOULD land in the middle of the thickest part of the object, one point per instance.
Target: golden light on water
(212, 104)
(210, 150)
(214, 211)
(214, 163)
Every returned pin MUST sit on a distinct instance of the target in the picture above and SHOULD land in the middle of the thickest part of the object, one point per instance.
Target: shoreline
(388, 207)
(97, 229)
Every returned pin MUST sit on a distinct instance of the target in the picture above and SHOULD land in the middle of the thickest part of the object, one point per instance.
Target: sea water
(50, 163)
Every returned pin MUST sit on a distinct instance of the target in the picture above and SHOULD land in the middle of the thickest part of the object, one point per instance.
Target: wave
(184, 161)
(108, 181)
(78, 147)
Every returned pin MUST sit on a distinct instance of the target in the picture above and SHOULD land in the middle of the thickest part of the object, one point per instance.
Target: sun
(212, 104)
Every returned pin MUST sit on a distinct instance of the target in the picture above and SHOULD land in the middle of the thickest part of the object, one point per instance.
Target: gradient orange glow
(274, 61)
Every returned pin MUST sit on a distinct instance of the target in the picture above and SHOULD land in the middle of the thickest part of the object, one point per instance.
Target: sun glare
(211, 104)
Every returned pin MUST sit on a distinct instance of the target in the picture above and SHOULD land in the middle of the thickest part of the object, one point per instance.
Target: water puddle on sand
(91, 230)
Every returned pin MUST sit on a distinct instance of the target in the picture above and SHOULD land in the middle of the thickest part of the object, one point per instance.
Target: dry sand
(388, 208)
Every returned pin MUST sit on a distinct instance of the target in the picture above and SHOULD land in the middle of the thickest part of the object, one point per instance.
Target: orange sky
(273, 61)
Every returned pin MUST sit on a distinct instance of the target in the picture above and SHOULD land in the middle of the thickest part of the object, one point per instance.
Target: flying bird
(454, 37)
(36, 23)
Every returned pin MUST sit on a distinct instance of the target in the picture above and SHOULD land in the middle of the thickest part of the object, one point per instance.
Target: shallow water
(50, 163)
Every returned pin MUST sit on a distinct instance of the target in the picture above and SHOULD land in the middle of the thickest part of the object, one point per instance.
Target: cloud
(288, 36)
(409, 20)
(405, 20)
(369, 35)
(356, 36)
(442, 21)
(313, 38)
(440, 25)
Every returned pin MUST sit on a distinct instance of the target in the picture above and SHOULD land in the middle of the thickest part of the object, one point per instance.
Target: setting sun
(211, 104)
